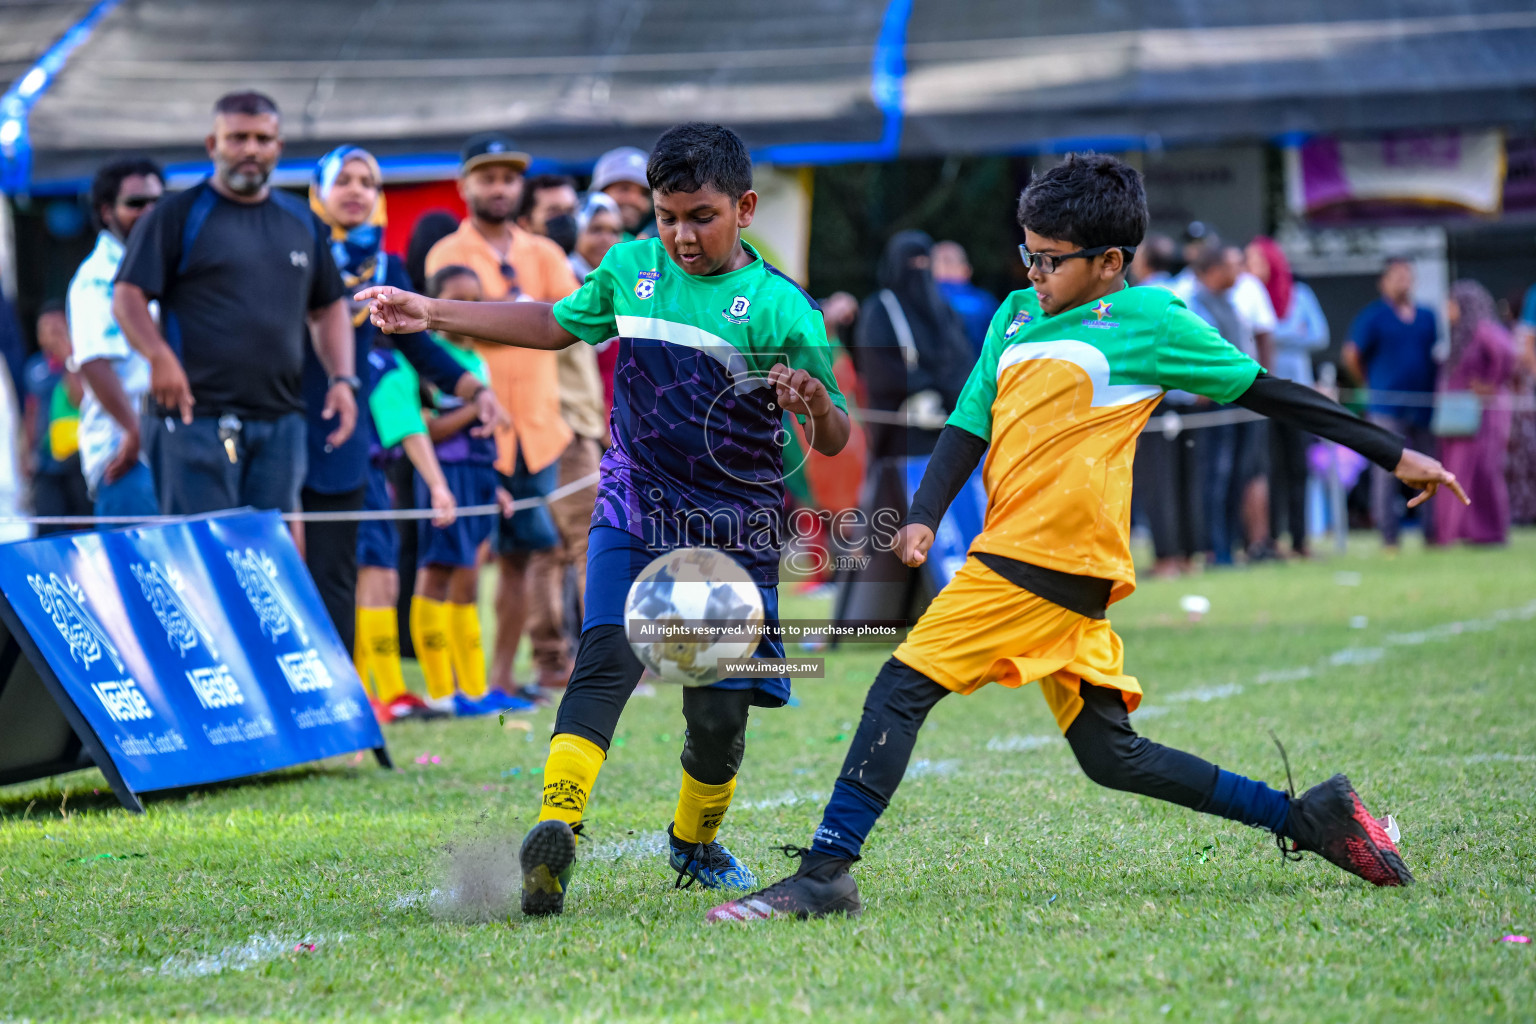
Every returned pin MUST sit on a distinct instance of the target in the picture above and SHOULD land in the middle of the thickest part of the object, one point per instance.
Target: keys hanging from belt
(229, 431)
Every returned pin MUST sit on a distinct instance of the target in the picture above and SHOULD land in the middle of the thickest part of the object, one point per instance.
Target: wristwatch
(347, 379)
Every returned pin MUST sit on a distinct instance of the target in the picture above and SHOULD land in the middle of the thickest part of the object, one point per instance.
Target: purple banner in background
(1322, 172)
(1388, 175)
(1519, 174)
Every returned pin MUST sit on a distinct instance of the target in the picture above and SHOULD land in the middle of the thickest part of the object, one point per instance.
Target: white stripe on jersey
(722, 351)
(1086, 358)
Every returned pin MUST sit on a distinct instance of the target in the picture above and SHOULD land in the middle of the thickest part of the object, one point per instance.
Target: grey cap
(623, 164)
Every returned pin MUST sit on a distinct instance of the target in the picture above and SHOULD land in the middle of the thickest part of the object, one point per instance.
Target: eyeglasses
(137, 202)
(1050, 262)
(508, 272)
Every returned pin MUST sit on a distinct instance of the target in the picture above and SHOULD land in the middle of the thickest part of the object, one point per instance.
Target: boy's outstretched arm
(1302, 407)
(523, 324)
(955, 456)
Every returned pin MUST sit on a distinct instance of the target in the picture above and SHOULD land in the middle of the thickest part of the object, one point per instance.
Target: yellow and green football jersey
(1061, 399)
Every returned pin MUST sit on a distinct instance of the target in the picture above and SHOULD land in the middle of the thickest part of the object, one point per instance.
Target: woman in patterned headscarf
(1482, 361)
(347, 197)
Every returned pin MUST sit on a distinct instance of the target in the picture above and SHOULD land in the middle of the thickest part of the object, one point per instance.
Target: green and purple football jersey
(698, 436)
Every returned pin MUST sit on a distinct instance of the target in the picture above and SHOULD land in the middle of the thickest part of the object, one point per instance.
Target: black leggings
(1101, 737)
(1288, 483)
(330, 552)
(604, 676)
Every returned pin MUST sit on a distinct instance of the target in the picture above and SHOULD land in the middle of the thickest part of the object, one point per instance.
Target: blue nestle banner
(196, 651)
(961, 523)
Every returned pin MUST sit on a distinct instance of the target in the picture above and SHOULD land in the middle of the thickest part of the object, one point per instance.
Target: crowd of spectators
(208, 355)
(1235, 488)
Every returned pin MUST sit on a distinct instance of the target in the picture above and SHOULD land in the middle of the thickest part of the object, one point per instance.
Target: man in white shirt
(1248, 296)
(1251, 300)
(115, 376)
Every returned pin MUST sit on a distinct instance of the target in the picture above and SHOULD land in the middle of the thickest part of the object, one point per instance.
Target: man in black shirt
(244, 278)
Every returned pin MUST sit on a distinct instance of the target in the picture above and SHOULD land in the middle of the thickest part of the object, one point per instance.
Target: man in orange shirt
(513, 263)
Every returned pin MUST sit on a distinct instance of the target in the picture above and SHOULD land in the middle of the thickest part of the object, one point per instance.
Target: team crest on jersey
(737, 312)
(1100, 311)
(645, 284)
(1019, 320)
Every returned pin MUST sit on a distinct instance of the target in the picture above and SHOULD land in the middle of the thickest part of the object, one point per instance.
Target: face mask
(561, 230)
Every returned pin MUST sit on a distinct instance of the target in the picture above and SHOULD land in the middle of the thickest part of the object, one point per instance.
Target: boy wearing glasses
(1069, 375)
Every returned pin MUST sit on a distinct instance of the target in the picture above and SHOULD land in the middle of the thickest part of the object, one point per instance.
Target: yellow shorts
(983, 629)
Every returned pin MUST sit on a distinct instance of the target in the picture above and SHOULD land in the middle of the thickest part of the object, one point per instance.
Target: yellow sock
(569, 774)
(429, 634)
(360, 653)
(378, 634)
(464, 643)
(700, 809)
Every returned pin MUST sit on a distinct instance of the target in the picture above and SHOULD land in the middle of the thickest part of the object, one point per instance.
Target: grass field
(1001, 884)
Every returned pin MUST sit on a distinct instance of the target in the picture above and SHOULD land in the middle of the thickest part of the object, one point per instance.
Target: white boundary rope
(1169, 424)
(1172, 421)
(387, 515)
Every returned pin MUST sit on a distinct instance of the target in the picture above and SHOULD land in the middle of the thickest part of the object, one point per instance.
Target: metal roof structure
(804, 81)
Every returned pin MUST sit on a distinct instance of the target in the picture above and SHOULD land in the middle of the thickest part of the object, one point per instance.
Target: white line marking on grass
(1352, 656)
(926, 767)
(1012, 744)
(257, 949)
(1499, 758)
(1357, 656)
(788, 798)
(1284, 675)
(407, 901)
(641, 846)
(1205, 694)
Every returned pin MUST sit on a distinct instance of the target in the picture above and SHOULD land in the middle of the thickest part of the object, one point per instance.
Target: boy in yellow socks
(445, 614)
(715, 345)
(395, 404)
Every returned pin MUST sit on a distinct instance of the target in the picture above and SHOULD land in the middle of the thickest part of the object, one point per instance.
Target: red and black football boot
(1331, 821)
(410, 708)
(821, 887)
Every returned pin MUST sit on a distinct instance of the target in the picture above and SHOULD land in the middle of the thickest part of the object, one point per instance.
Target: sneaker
(409, 707)
(446, 706)
(1331, 821)
(548, 852)
(465, 707)
(821, 887)
(709, 864)
(497, 701)
(534, 696)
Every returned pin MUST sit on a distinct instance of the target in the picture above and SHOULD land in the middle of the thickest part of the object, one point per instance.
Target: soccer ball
(707, 598)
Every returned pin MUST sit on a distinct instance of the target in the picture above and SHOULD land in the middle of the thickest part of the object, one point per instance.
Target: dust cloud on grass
(479, 876)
